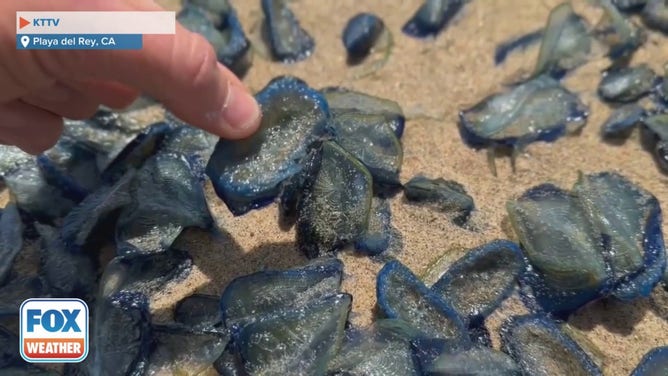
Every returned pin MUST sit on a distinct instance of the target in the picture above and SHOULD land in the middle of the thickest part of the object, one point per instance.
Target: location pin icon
(25, 40)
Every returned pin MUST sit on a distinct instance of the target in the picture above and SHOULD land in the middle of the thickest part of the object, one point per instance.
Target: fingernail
(241, 110)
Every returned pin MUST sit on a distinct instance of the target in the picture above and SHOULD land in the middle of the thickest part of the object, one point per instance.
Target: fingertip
(241, 114)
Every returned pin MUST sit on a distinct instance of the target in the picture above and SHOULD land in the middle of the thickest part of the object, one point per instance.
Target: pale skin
(38, 88)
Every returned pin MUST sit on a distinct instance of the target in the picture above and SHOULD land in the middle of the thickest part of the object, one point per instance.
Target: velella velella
(401, 295)
(9, 347)
(437, 358)
(566, 42)
(380, 235)
(11, 239)
(540, 348)
(627, 84)
(288, 40)
(602, 238)
(654, 363)
(629, 5)
(447, 196)
(537, 110)
(622, 120)
(198, 311)
(432, 17)
(247, 174)
(17, 290)
(361, 34)
(620, 34)
(218, 23)
(654, 136)
(280, 290)
(655, 15)
(476, 284)
(334, 207)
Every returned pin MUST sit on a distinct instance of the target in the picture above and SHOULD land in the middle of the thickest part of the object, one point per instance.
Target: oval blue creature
(249, 298)
(655, 15)
(438, 357)
(479, 282)
(517, 43)
(654, 363)
(198, 311)
(17, 290)
(401, 295)
(540, 348)
(289, 42)
(361, 34)
(446, 196)
(247, 174)
(622, 36)
(432, 17)
(11, 239)
(9, 348)
(627, 84)
(654, 137)
(380, 235)
(629, 5)
(622, 121)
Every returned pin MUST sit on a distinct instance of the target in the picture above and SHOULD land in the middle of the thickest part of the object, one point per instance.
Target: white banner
(95, 23)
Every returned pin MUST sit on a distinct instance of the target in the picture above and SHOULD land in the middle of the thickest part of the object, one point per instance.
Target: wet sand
(433, 80)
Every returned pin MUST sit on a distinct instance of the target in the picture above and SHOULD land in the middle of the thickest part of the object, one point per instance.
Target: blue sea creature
(432, 17)
(382, 349)
(477, 283)
(371, 139)
(247, 299)
(602, 238)
(540, 348)
(627, 84)
(439, 358)
(17, 290)
(229, 363)
(187, 140)
(11, 159)
(342, 100)
(517, 43)
(537, 110)
(655, 15)
(380, 235)
(168, 196)
(654, 363)
(11, 239)
(298, 341)
(629, 5)
(67, 274)
(247, 174)
(623, 120)
(480, 335)
(401, 295)
(198, 311)
(219, 24)
(334, 207)
(566, 42)
(446, 196)
(361, 34)
(288, 40)
(9, 348)
(621, 35)
(184, 352)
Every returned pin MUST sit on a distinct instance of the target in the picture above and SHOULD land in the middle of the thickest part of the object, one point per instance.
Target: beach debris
(11, 239)
(537, 110)
(518, 43)
(653, 363)
(217, 21)
(479, 282)
(602, 238)
(446, 196)
(361, 34)
(539, 347)
(288, 40)
(432, 17)
(247, 174)
(627, 84)
(380, 235)
(622, 121)
(655, 15)
(401, 295)
(335, 203)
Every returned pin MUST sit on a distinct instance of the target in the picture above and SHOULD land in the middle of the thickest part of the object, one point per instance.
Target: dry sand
(438, 78)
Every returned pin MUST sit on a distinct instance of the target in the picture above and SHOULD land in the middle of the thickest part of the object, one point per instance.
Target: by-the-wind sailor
(401, 295)
(654, 363)
(298, 341)
(184, 353)
(383, 349)
(655, 15)
(168, 196)
(361, 33)
(380, 235)
(566, 42)
(11, 239)
(541, 348)
(437, 358)
(432, 17)
(517, 43)
(654, 136)
(447, 196)
(629, 5)
(627, 84)
(17, 290)
(72, 167)
(288, 40)
(248, 298)
(622, 120)
(477, 283)
(601, 238)
(537, 110)
(621, 35)
(9, 348)
(334, 208)
(247, 174)
(11, 159)
(198, 311)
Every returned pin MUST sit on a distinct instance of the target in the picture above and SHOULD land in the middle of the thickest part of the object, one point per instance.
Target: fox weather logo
(54, 330)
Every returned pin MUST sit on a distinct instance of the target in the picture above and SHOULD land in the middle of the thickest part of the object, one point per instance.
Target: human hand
(40, 87)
